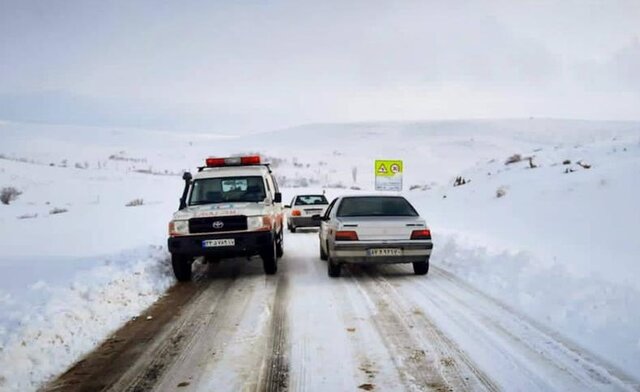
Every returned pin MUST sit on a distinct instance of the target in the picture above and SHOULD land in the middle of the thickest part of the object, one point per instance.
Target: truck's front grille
(217, 224)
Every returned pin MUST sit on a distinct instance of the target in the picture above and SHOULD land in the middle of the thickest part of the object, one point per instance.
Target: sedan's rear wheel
(333, 268)
(421, 267)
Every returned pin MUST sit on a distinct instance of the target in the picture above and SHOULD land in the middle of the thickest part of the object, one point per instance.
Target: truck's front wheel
(181, 267)
(269, 259)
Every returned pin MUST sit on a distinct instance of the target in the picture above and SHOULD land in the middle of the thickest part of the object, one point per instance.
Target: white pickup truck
(230, 208)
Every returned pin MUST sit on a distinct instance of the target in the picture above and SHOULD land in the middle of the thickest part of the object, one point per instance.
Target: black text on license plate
(218, 243)
(385, 252)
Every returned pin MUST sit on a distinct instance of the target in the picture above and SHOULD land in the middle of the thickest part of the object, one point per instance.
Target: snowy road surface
(375, 328)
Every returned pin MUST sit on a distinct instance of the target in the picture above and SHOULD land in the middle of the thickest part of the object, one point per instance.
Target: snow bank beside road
(599, 315)
(68, 321)
(560, 245)
(68, 280)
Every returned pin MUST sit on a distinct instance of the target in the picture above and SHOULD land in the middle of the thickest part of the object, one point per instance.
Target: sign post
(388, 175)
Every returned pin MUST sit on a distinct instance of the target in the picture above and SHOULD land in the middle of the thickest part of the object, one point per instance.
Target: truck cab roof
(232, 171)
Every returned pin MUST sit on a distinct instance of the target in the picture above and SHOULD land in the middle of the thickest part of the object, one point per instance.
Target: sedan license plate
(385, 252)
(217, 243)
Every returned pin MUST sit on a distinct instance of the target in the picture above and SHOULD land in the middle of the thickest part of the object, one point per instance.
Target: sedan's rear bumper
(358, 252)
(303, 221)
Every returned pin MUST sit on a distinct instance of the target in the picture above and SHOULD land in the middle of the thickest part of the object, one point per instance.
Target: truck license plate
(385, 252)
(217, 243)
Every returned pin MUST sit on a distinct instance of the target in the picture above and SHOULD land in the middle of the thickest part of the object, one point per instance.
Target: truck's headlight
(178, 227)
(255, 223)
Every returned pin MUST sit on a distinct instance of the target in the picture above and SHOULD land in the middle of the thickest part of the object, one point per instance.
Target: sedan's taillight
(421, 234)
(296, 213)
(346, 235)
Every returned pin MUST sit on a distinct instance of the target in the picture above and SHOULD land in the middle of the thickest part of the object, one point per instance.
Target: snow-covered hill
(560, 244)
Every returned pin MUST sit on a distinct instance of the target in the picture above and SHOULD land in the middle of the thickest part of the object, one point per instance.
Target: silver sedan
(374, 230)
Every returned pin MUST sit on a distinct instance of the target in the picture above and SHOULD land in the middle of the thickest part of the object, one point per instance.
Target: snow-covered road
(376, 328)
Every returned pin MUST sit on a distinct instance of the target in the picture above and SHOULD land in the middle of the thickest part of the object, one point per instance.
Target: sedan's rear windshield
(310, 200)
(375, 206)
(227, 189)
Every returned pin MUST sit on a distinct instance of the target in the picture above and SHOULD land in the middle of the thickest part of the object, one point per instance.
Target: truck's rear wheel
(270, 259)
(280, 245)
(181, 267)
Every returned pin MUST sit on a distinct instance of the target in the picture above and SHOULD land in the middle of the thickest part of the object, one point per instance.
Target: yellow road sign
(388, 174)
(388, 168)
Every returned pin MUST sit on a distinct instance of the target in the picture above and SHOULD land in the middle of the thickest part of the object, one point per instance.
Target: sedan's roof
(372, 195)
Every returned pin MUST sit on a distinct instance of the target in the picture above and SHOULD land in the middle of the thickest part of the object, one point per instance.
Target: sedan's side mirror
(317, 218)
(277, 198)
(287, 206)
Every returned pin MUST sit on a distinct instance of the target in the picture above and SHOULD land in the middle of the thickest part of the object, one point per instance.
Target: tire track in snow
(521, 346)
(456, 366)
(275, 369)
(104, 366)
(424, 357)
(222, 340)
(203, 313)
(416, 365)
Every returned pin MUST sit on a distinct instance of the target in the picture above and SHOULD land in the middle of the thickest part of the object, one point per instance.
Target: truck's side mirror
(277, 198)
(317, 218)
(187, 181)
(287, 206)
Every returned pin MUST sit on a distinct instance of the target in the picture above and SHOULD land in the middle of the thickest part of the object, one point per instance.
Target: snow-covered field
(560, 244)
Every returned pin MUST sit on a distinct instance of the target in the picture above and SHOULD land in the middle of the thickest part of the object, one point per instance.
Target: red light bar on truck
(233, 161)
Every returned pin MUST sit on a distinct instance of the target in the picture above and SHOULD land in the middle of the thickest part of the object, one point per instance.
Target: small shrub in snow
(531, 164)
(500, 192)
(513, 159)
(28, 216)
(58, 211)
(566, 162)
(135, 203)
(9, 194)
(584, 165)
(460, 181)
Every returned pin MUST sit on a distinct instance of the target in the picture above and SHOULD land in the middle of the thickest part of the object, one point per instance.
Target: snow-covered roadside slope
(561, 244)
(69, 279)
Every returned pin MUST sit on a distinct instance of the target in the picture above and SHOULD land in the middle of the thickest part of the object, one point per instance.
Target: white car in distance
(373, 230)
(303, 208)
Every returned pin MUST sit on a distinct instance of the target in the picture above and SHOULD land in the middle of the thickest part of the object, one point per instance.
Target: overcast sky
(257, 65)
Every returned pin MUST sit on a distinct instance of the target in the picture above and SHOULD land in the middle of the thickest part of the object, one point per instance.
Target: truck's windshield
(227, 189)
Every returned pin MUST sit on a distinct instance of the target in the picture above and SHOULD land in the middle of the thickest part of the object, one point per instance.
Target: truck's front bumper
(358, 252)
(246, 244)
